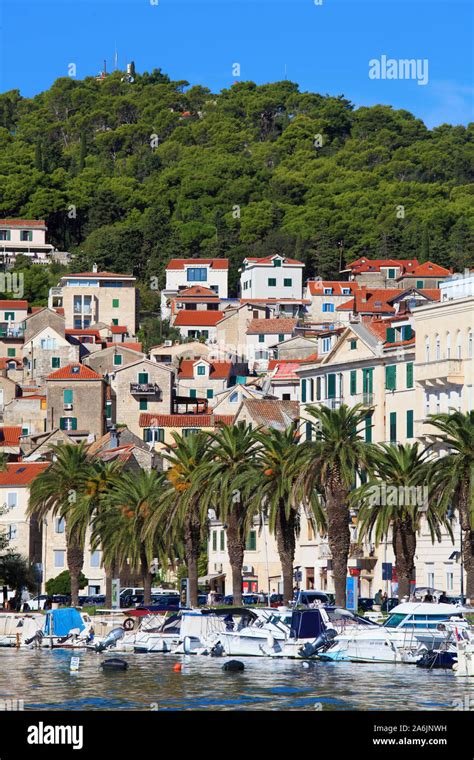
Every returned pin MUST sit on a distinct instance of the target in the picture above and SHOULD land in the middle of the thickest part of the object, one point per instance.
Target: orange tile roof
(269, 259)
(376, 300)
(197, 290)
(59, 310)
(132, 346)
(274, 300)
(281, 326)
(213, 263)
(274, 363)
(4, 360)
(13, 304)
(92, 275)
(272, 412)
(374, 265)
(74, 372)
(198, 318)
(22, 223)
(316, 287)
(217, 371)
(22, 473)
(10, 435)
(118, 329)
(428, 269)
(184, 420)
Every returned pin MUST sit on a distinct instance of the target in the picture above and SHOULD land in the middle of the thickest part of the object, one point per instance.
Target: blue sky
(324, 48)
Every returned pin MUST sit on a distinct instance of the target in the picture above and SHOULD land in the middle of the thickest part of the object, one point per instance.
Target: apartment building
(26, 237)
(91, 297)
(263, 335)
(203, 378)
(276, 277)
(396, 273)
(46, 351)
(139, 387)
(158, 429)
(24, 533)
(76, 401)
(182, 274)
(325, 296)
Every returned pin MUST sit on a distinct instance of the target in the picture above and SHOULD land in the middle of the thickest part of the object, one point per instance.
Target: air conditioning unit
(68, 407)
(218, 567)
(168, 343)
(247, 569)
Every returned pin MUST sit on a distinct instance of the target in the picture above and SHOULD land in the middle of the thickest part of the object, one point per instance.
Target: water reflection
(44, 681)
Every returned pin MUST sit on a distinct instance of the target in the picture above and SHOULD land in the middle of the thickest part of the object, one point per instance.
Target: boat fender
(270, 640)
(187, 644)
(114, 663)
(217, 650)
(129, 624)
(233, 666)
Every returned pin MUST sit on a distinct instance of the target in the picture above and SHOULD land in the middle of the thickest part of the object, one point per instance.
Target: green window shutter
(410, 375)
(115, 303)
(331, 385)
(353, 382)
(73, 423)
(287, 282)
(281, 338)
(192, 393)
(143, 378)
(214, 540)
(201, 370)
(419, 283)
(115, 322)
(272, 282)
(251, 543)
(390, 335)
(309, 431)
(261, 338)
(108, 410)
(368, 428)
(277, 263)
(117, 360)
(303, 391)
(143, 404)
(62, 423)
(9, 316)
(55, 362)
(407, 332)
(11, 351)
(391, 377)
(210, 393)
(393, 427)
(68, 396)
(222, 545)
(353, 344)
(410, 423)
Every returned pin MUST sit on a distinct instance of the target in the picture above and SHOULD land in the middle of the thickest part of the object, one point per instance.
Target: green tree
(61, 584)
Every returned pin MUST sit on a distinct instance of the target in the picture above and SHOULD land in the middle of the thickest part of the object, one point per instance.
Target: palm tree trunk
(75, 563)
(109, 575)
(285, 537)
(146, 577)
(404, 548)
(235, 549)
(192, 537)
(468, 561)
(339, 537)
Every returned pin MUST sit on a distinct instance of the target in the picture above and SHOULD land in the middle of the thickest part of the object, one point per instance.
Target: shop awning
(209, 578)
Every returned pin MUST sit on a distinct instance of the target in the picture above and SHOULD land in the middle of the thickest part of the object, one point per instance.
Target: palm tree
(396, 498)
(277, 493)
(179, 510)
(121, 520)
(330, 465)
(453, 478)
(230, 476)
(57, 491)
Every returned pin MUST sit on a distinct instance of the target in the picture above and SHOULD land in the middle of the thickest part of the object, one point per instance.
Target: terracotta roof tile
(118, 329)
(10, 435)
(428, 269)
(13, 304)
(197, 290)
(218, 370)
(184, 420)
(22, 223)
(272, 412)
(131, 345)
(281, 326)
(74, 372)
(22, 473)
(269, 259)
(213, 263)
(198, 318)
(316, 287)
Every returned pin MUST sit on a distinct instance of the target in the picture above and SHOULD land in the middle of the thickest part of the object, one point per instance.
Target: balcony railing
(145, 389)
(441, 371)
(8, 330)
(333, 403)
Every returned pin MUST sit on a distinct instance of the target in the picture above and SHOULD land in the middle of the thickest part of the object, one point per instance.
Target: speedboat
(199, 626)
(158, 634)
(411, 629)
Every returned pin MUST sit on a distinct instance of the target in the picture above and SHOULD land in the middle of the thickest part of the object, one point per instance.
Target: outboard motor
(322, 642)
(115, 635)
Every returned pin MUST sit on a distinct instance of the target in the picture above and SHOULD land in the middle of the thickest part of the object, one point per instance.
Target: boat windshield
(393, 621)
(400, 620)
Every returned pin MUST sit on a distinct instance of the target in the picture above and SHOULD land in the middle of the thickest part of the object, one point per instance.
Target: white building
(273, 277)
(26, 237)
(262, 337)
(184, 273)
(458, 286)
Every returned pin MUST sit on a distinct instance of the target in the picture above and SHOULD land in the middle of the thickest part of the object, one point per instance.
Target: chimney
(114, 438)
(94, 267)
(363, 293)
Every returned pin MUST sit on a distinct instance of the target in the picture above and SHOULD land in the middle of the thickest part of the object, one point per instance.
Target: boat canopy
(306, 624)
(60, 622)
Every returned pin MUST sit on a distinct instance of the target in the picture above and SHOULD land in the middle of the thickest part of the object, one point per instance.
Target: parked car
(94, 600)
(39, 602)
(389, 604)
(365, 603)
(160, 603)
(310, 597)
(247, 599)
(276, 600)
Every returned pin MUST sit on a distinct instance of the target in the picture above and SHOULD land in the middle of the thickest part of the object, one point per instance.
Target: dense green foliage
(61, 584)
(129, 175)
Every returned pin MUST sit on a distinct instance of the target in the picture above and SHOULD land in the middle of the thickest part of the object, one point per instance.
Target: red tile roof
(74, 372)
(22, 223)
(286, 371)
(269, 259)
(84, 332)
(13, 304)
(376, 301)
(184, 420)
(274, 363)
(5, 360)
(374, 265)
(316, 287)
(197, 290)
(22, 473)
(282, 326)
(118, 329)
(92, 275)
(10, 435)
(218, 370)
(198, 318)
(213, 263)
(59, 310)
(133, 346)
(428, 269)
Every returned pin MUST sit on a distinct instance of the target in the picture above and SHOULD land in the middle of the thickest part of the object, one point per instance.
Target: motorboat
(410, 630)
(158, 635)
(66, 628)
(199, 626)
(14, 627)
(464, 665)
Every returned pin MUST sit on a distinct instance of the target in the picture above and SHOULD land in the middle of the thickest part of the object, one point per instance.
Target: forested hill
(130, 174)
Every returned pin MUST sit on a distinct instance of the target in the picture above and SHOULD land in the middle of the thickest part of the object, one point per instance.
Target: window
(115, 303)
(309, 431)
(346, 291)
(391, 377)
(189, 431)
(261, 338)
(311, 390)
(353, 345)
(437, 348)
(12, 500)
(331, 385)
(201, 369)
(353, 382)
(11, 532)
(449, 580)
(287, 282)
(328, 307)
(154, 434)
(48, 343)
(281, 338)
(209, 393)
(410, 375)
(4, 234)
(55, 362)
(420, 283)
(327, 291)
(318, 389)
(115, 322)
(251, 543)
(448, 345)
(9, 316)
(458, 346)
(108, 410)
(59, 525)
(95, 559)
(391, 274)
(368, 381)
(143, 378)
(234, 397)
(303, 391)
(430, 579)
(11, 351)
(410, 423)
(192, 393)
(427, 349)
(277, 262)
(26, 236)
(368, 428)
(117, 360)
(393, 427)
(68, 423)
(143, 404)
(390, 335)
(197, 274)
(59, 557)
(325, 345)
(272, 282)
(67, 396)
(222, 544)
(214, 540)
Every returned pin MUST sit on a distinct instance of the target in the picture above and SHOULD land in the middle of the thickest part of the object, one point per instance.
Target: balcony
(366, 399)
(441, 372)
(332, 403)
(145, 389)
(11, 330)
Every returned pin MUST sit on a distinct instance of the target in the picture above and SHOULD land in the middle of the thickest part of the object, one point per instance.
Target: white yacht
(410, 629)
(200, 626)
